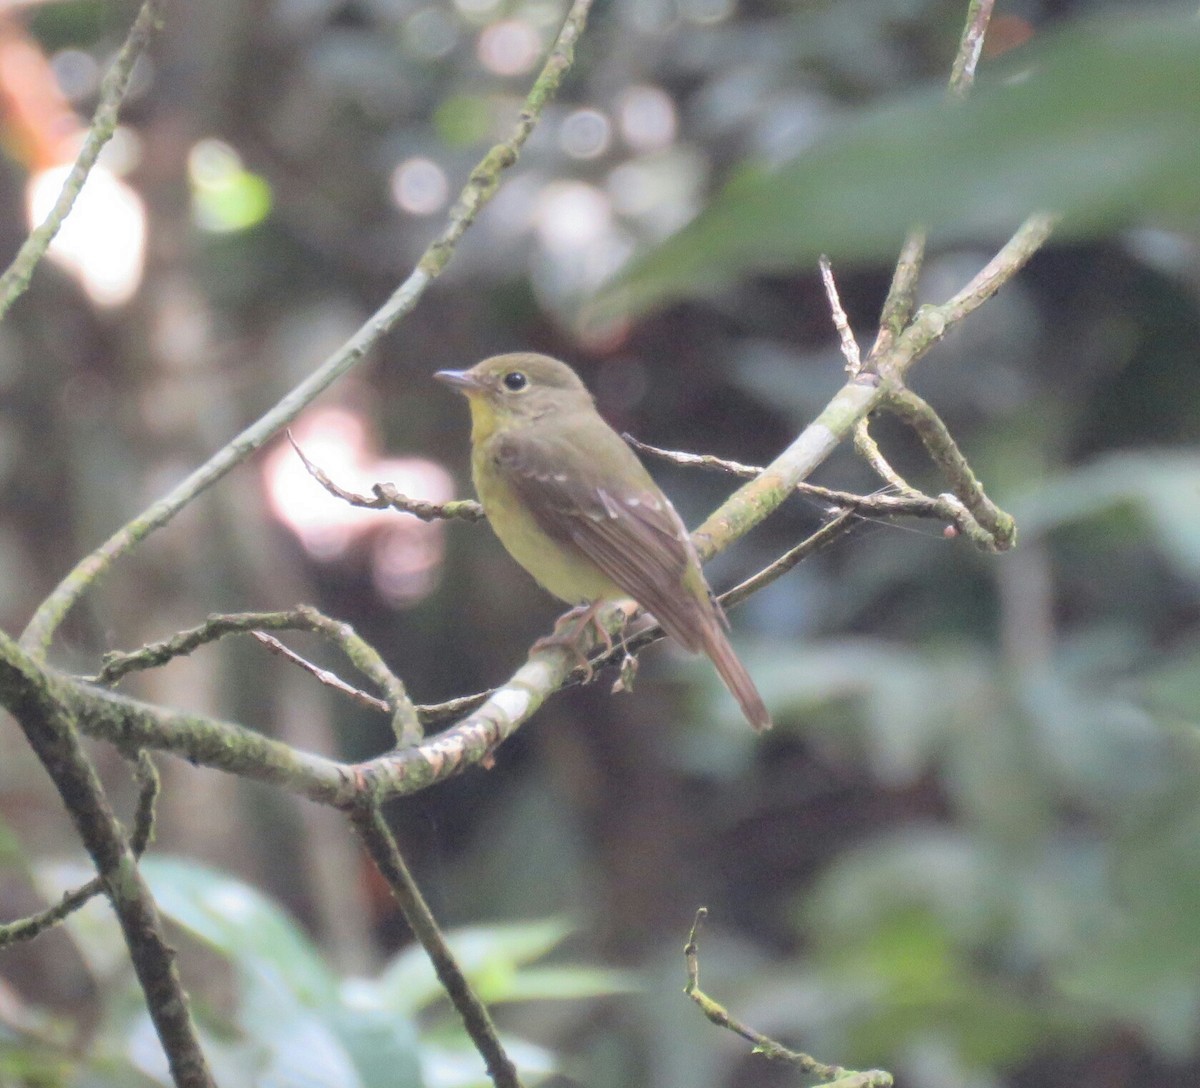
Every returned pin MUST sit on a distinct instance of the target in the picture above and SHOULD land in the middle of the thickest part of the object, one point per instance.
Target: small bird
(576, 508)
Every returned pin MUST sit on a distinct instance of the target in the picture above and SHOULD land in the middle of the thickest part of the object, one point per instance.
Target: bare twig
(381, 845)
(940, 445)
(26, 929)
(16, 277)
(480, 188)
(322, 676)
(841, 322)
(868, 449)
(763, 1044)
(385, 497)
(880, 504)
(358, 651)
(962, 73)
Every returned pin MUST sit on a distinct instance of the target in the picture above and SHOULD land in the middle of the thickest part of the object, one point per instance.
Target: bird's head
(510, 389)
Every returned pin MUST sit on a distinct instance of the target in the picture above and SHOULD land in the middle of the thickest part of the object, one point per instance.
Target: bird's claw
(579, 619)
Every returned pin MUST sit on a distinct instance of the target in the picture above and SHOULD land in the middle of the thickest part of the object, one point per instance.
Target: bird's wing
(586, 489)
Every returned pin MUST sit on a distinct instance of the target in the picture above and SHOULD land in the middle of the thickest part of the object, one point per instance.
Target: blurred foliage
(968, 852)
(1087, 126)
(290, 1020)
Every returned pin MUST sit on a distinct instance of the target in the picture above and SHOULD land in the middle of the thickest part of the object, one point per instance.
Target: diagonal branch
(480, 188)
(26, 929)
(49, 726)
(834, 1075)
(15, 278)
(381, 845)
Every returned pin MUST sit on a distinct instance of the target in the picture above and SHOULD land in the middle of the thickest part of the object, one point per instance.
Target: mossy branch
(834, 1075)
(381, 845)
(479, 189)
(15, 278)
(49, 724)
(26, 929)
(364, 657)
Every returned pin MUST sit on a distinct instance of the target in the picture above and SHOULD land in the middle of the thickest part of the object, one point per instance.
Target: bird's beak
(462, 380)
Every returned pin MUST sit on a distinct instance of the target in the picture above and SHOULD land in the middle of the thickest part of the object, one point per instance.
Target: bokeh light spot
(430, 33)
(509, 48)
(419, 186)
(570, 214)
(647, 117)
(103, 241)
(77, 73)
(585, 134)
(226, 197)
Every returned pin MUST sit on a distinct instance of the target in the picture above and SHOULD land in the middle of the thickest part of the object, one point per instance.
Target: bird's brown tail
(735, 676)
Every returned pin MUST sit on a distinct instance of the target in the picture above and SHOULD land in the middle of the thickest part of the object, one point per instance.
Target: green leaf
(382, 1045)
(310, 1030)
(1096, 124)
(241, 922)
(489, 956)
(1164, 486)
(300, 1047)
(565, 983)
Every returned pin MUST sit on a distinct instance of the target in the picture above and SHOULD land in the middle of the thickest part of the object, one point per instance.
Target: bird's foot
(571, 628)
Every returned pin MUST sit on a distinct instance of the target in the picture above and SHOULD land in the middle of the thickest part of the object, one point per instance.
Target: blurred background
(969, 852)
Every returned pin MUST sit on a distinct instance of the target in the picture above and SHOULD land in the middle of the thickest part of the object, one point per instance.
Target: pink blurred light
(102, 243)
(406, 553)
(509, 48)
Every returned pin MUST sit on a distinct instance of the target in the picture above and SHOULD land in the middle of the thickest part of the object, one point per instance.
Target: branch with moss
(381, 846)
(834, 1075)
(405, 722)
(15, 278)
(49, 726)
(26, 929)
(481, 186)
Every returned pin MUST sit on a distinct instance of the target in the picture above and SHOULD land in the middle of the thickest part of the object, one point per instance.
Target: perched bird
(576, 508)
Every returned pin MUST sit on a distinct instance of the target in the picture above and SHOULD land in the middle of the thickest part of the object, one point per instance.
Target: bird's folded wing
(620, 520)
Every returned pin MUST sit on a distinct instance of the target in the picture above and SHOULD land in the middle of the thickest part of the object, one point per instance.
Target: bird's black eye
(515, 381)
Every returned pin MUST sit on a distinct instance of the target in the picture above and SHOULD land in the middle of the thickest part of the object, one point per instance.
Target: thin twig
(868, 449)
(359, 652)
(50, 728)
(944, 451)
(385, 496)
(113, 88)
(880, 504)
(322, 676)
(381, 846)
(480, 188)
(764, 1044)
(962, 73)
(26, 929)
(901, 297)
(841, 322)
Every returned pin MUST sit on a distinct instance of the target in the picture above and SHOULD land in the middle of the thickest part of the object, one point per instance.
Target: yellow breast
(563, 570)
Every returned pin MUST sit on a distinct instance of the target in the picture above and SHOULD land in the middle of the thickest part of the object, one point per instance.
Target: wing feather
(607, 506)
